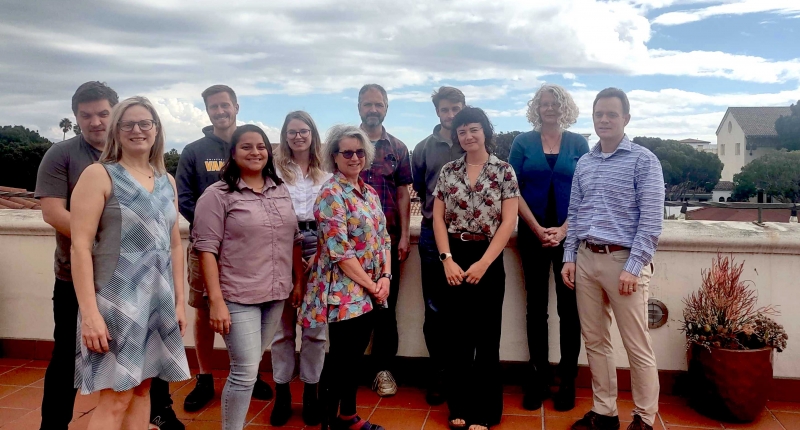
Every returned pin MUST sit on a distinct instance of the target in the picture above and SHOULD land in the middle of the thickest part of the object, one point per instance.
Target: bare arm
(453, 272)
(176, 255)
(404, 207)
(55, 213)
(88, 201)
(352, 268)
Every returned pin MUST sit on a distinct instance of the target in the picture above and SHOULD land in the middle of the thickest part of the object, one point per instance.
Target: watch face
(443, 256)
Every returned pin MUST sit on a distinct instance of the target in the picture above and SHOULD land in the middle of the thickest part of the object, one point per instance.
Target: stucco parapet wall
(689, 236)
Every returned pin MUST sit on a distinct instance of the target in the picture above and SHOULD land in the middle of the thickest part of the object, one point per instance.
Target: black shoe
(202, 393)
(311, 409)
(639, 424)
(435, 395)
(282, 410)
(262, 390)
(165, 419)
(532, 400)
(564, 400)
(594, 421)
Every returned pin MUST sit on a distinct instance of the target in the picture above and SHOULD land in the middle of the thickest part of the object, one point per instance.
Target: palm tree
(76, 129)
(66, 125)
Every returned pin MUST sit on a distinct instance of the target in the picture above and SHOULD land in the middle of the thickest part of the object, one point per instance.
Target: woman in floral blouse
(351, 271)
(474, 213)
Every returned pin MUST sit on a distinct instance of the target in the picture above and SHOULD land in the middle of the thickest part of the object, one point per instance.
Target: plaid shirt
(390, 169)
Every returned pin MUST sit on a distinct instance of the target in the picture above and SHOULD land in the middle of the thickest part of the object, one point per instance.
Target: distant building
(700, 145)
(722, 192)
(746, 133)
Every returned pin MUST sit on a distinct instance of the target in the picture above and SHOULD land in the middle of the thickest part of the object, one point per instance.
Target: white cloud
(578, 84)
(740, 7)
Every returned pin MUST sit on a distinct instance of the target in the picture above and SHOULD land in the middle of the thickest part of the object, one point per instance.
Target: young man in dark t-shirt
(58, 173)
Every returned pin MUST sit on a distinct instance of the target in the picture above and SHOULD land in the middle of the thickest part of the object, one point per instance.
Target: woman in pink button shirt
(246, 232)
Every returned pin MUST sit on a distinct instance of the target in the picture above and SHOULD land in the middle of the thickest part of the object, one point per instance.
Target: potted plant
(730, 343)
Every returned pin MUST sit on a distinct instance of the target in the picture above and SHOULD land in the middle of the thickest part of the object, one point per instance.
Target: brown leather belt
(604, 249)
(469, 237)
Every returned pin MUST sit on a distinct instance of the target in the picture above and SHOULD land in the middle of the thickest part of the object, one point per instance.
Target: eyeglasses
(144, 125)
(349, 154)
(546, 106)
(303, 133)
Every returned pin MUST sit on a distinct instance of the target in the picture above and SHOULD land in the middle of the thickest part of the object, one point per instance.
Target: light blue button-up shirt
(617, 200)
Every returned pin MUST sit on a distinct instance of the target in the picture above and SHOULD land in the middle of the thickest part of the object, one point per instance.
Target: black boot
(262, 390)
(311, 412)
(435, 394)
(564, 400)
(202, 393)
(282, 410)
(536, 390)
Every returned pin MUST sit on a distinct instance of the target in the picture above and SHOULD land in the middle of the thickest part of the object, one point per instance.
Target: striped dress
(134, 289)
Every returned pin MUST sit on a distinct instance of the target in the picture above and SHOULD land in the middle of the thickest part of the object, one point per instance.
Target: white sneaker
(384, 384)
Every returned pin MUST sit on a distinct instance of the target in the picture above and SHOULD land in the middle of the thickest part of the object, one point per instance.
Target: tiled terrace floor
(21, 385)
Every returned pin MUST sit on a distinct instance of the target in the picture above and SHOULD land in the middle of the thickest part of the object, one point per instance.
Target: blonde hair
(568, 110)
(113, 150)
(283, 156)
(335, 135)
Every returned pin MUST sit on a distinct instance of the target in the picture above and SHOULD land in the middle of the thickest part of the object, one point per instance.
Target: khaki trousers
(597, 291)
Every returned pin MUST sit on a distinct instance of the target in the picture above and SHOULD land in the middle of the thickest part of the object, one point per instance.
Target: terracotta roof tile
(10, 200)
(724, 186)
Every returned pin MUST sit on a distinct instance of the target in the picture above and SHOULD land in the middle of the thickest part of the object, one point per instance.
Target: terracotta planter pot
(730, 384)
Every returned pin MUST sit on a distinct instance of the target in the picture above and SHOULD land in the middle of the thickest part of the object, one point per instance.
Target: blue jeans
(252, 328)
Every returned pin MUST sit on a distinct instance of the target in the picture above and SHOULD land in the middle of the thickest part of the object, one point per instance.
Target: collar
(346, 184)
(384, 134)
(88, 145)
(268, 183)
(438, 137)
(624, 145)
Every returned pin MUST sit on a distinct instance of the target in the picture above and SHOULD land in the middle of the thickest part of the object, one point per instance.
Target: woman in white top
(298, 164)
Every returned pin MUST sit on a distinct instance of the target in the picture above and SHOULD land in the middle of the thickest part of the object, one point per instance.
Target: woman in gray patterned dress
(127, 264)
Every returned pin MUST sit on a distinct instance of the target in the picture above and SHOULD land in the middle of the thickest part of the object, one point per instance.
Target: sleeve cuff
(348, 254)
(206, 245)
(570, 256)
(634, 266)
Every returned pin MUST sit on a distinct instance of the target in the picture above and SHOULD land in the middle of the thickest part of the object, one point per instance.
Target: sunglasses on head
(349, 154)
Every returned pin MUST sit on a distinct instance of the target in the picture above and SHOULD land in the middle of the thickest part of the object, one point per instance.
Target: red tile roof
(17, 198)
(724, 214)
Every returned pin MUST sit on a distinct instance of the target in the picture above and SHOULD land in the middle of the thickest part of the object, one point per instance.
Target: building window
(730, 126)
(722, 149)
(738, 148)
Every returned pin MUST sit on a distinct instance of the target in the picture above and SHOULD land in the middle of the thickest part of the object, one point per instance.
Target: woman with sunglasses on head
(299, 164)
(246, 234)
(351, 272)
(474, 214)
(127, 263)
(544, 160)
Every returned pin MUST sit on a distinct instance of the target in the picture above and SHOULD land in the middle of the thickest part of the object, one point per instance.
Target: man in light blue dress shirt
(615, 219)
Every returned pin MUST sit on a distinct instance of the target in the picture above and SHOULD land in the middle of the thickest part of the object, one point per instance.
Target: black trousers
(536, 263)
(348, 340)
(385, 340)
(432, 277)
(58, 400)
(473, 316)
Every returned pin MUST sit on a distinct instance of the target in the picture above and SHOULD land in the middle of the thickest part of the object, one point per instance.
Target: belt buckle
(462, 236)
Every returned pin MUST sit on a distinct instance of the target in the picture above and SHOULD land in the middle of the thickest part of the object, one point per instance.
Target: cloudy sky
(682, 62)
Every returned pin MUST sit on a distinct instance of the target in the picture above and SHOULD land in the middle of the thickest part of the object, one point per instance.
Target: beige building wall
(686, 248)
(729, 135)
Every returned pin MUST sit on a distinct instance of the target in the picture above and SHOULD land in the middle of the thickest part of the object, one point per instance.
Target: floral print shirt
(478, 209)
(350, 223)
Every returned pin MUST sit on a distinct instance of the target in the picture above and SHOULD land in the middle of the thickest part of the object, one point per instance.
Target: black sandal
(341, 424)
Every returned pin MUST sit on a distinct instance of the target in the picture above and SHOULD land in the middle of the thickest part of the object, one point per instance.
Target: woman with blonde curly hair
(544, 160)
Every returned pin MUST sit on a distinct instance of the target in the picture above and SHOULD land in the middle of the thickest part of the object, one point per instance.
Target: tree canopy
(21, 151)
(66, 125)
(685, 168)
(788, 128)
(502, 143)
(775, 172)
(171, 159)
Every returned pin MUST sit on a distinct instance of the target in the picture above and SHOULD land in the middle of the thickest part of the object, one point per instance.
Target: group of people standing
(314, 235)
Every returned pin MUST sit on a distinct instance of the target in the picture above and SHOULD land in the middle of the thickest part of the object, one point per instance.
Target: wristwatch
(444, 256)
(386, 275)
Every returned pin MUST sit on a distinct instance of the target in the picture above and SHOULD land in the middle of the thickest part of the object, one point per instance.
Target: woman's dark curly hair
(473, 115)
(231, 173)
